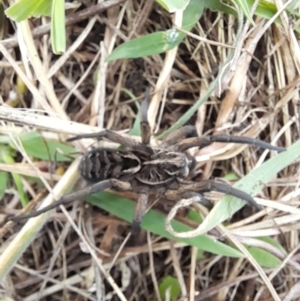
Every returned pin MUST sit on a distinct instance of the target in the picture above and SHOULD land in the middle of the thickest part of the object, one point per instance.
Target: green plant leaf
(243, 4)
(6, 156)
(274, 243)
(136, 129)
(3, 183)
(169, 286)
(160, 41)
(150, 44)
(194, 216)
(37, 147)
(24, 9)
(264, 9)
(173, 5)
(192, 14)
(251, 184)
(264, 258)
(155, 223)
(217, 5)
(58, 30)
(231, 176)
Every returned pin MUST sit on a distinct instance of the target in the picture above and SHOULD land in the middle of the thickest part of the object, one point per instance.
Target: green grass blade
(136, 129)
(58, 30)
(192, 14)
(3, 183)
(24, 9)
(169, 288)
(37, 147)
(150, 44)
(252, 184)
(160, 41)
(155, 223)
(173, 5)
(264, 258)
(243, 4)
(6, 156)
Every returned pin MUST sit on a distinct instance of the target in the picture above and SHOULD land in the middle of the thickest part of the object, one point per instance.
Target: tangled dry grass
(83, 257)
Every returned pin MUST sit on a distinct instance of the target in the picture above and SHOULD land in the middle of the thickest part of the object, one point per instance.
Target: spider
(165, 170)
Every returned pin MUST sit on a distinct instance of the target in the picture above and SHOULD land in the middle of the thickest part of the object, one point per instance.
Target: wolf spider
(165, 170)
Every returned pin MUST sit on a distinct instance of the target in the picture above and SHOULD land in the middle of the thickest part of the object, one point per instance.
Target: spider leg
(181, 193)
(145, 127)
(182, 133)
(115, 137)
(205, 141)
(222, 187)
(77, 195)
(140, 210)
(227, 189)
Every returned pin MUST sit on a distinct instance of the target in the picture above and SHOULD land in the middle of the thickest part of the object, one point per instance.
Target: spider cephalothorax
(166, 169)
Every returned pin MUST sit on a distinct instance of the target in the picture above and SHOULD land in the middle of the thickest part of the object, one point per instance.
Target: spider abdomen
(101, 164)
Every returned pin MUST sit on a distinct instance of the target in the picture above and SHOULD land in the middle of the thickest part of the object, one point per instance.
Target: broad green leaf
(251, 184)
(160, 41)
(155, 223)
(37, 147)
(173, 5)
(150, 44)
(3, 183)
(24, 9)
(264, 258)
(58, 30)
(169, 286)
(192, 14)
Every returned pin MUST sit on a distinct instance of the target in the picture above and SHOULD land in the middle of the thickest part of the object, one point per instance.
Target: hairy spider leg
(126, 141)
(79, 194)
(142, 201)
(145, 127)
(115, 137)
(177, 195)
(225, 188)
(186, 131)
(209, 185)
(140, 210)
(205, 141)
